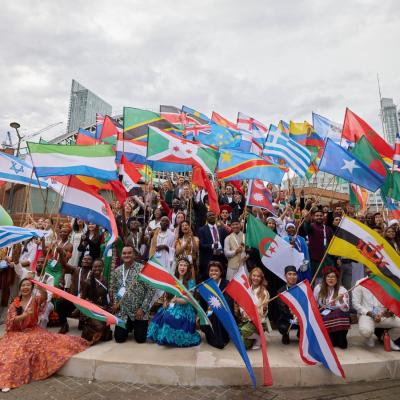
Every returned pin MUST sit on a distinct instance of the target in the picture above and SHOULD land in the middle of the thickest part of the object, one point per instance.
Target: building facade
(389, 119)
(83, 107)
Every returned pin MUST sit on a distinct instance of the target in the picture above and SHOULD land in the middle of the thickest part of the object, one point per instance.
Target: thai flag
(82, 201)
(315, 345)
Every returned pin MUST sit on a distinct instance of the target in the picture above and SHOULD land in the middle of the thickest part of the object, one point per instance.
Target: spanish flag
(358, 242)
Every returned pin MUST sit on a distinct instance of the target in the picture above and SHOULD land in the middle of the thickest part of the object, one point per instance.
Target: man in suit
(227, 198)
(212, 240)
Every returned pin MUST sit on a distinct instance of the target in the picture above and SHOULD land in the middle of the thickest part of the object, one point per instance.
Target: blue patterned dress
(175, 326)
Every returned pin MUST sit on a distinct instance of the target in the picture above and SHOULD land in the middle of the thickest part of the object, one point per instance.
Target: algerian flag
(275, 253)
(166, 147)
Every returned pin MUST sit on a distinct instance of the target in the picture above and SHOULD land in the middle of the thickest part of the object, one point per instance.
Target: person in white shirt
(234, 250)
(372, 314)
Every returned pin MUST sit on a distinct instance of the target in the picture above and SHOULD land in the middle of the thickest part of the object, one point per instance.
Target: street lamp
(16, 126)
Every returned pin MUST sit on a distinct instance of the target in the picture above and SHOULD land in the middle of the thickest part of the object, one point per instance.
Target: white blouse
(344, 306)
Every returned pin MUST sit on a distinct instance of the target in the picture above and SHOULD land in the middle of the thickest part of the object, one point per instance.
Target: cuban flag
(82, 201)
(315, 345)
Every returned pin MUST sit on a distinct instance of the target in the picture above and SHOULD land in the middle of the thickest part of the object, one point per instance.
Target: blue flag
(326, 128)
(338, 161)
(220, 136)
(211, 293)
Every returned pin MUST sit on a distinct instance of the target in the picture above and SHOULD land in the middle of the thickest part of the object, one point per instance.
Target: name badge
(121, 292)
(325, 312)
(53, 264)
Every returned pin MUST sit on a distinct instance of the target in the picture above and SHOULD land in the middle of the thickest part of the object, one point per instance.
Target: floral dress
(175, 325)
(29, 352)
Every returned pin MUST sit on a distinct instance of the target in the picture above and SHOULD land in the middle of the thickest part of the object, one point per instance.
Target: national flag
(396, 156)
(134, 150)
(57, 160)
(275, 252)
(99, 125)
(338, 161)
(393, 207)
(239, 289)
(169, 148)
(305, 134)
(13, 169)
(354, 127)
(110, 131)
(10, 235)
(327, 128)
(280, 146)
(220, 136)
(84, 306)
(259, 195)
(235, 164)
(130, 174)
(314, 344)
(283, 126)
(119, 190)
(173, 115)
(137, 122)
(86, 138)
(220, 120)
(195, 117)
(82, 201)
(155, 275)
(217, 303)
(358, 196)
(193, 131)
(257, 129)
(384, 292)
(200, 178)
(358, 242)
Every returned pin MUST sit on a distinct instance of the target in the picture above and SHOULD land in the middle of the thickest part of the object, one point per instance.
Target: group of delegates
(173, 224)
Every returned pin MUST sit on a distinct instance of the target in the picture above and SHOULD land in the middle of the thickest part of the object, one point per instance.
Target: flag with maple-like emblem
(259, 195)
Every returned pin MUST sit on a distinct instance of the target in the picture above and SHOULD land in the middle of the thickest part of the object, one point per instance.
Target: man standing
(162, 245)
(211, 240)
(131, 298)
(234, 249)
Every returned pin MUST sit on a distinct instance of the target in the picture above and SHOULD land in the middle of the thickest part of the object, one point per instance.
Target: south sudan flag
(384, 292)
(358, 242)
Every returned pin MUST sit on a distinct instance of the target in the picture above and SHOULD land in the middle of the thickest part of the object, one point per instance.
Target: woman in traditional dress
(175, 322)
(27, 351)
(187, 245)
(333, 300)
(249, 332)
(95, 290)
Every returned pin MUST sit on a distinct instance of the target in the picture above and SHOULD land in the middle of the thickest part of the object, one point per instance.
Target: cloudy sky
(270, 59)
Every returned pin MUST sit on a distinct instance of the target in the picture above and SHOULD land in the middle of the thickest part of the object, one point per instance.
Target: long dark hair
(180, 233)
(188, 275)
(19, 309)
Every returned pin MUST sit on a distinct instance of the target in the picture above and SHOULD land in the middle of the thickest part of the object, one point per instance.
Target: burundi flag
(275, 253)
(384, 292)
(155, 275)
(58, 160)
(169, 148)
(360, 243)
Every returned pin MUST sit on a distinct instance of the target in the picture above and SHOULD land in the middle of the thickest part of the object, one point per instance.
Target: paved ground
(62, 388)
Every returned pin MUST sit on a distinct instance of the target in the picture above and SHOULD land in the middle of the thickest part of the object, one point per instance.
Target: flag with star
(218, 305)
(260, 196)
(338, 161)
(169, 148)
(275, 252)
(13, 169)
(220, 136)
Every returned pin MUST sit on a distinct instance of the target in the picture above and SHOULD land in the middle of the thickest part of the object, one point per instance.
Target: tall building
(389, 118)
(83, 106)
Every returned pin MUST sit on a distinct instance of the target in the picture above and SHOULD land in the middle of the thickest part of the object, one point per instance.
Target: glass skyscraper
(390, 121)
(83, 107)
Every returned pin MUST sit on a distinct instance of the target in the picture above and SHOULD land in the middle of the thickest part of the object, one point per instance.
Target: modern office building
(83, 107)
(390, 119)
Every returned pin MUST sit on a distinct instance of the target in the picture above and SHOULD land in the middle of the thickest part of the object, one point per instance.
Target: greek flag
(278, 145)
(10, 235)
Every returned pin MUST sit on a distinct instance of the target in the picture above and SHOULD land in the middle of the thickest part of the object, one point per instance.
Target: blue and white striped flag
(278, 145)
(10, 235)
(13, 169)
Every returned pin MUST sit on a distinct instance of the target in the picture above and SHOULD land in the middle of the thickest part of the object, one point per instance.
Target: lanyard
(124, 276)
(79, 280)
(324, 236)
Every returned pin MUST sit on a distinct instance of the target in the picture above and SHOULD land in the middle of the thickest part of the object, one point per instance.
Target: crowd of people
(172, 222)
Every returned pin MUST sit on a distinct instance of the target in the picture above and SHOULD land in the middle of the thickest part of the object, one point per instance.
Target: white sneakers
(5, 390)
(394, 346)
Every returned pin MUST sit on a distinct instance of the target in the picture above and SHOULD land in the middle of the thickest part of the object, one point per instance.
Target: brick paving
(64, 388)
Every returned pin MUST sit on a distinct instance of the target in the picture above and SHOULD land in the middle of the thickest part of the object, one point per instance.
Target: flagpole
(27, 192)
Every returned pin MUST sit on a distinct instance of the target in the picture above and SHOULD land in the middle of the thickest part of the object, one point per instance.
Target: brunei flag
(357, 242)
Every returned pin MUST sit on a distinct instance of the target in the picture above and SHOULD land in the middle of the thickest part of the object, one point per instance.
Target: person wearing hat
(300, 245)
(334, 303)
(286, 320)
(234, 249)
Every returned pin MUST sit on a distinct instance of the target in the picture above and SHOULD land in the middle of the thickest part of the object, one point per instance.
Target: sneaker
(285, 338)
(370, 342)
(256, 344)
(5, 390)
(393, 346)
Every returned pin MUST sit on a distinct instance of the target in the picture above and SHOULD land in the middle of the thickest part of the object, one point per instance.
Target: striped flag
(280, 146)
(315, 345)
(133, 150)
(358, 196)
(396, 157)
(13, 169)
(58, 160)
(86, 138)
(249, 124)
(10, 235)
(84, 306)
(82, 201)
(130, 174)
(155, 275)
(99, 124)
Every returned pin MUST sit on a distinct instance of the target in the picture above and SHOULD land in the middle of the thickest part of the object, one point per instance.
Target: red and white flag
(239, 289)
(130, 174)
(260, 196)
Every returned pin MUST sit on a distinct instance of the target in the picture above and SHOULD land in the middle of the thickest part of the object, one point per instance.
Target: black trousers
(284, 325)
(64, 309)
(139, 328)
